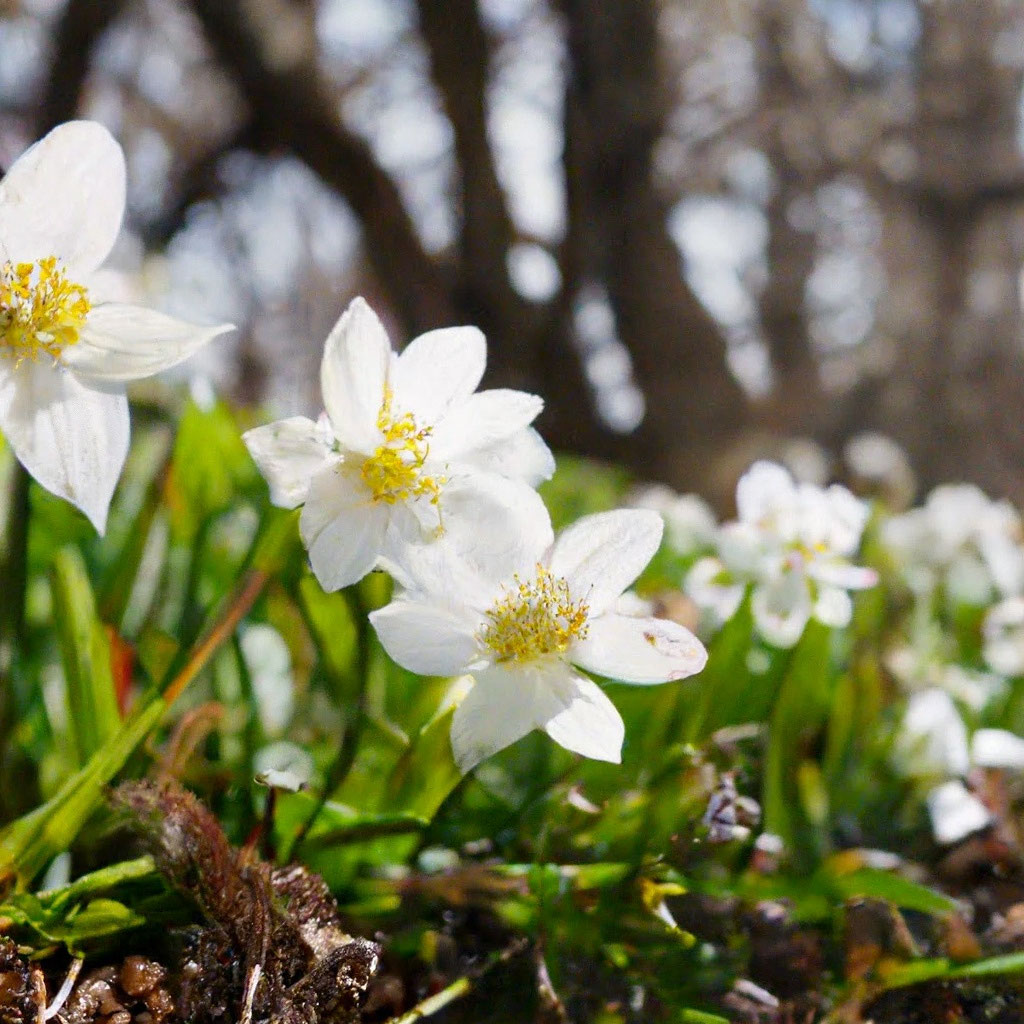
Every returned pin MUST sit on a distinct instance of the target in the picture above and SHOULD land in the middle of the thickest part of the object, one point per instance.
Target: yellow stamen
(535, 618)
(394, 472)
(41, 311)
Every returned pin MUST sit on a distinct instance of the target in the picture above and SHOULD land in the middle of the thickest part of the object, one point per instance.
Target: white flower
(1003, 631)
(963, 539)
(65, 355)
(520, 626)
(689, 521)
(955, 812)
(408, 451)
(933, 742)
(793, 542)
(924, 666)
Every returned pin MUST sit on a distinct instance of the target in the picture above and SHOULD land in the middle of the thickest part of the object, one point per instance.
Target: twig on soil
(458, 988)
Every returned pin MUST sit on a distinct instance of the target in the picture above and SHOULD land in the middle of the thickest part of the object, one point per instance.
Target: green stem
(242, 600)
(12, 600)
(12, 624)
(349, 743)
(457, 989)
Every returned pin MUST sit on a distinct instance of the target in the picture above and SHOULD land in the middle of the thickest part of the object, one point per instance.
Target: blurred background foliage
(698, 228)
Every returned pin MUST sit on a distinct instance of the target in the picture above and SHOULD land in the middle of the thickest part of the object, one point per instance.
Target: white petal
(353, 376)
(833, 607)
(639, 650)
(342, 530)
(997, 748)
(766, 495)
(707, 583)
(955, 812)
(579, 716)
(496, 712)
(492, 528)
(428, 638)
(601, 555)
(71, 438)
(933, 739)
(64, 197)
(482, 421)
(289, 454)
(523, 456)
(122, 343)
(836, 573)
(438, 371)
(500, 526)
(781, 609)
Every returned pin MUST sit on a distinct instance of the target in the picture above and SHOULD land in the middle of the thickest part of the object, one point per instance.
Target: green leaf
(941, 967)
(30, 842)
(426, 773)
(1008, 963)
(336, 633)
(724, 696)
(884, 885)
(100, 881)
(210, 466)
(700, 1017)
(85, 653)
(800, 709)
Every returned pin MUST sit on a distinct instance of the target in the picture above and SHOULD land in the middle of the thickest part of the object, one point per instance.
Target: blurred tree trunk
(618, 234)
(952, 386)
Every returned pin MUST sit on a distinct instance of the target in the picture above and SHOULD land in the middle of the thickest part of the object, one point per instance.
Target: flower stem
(241, 601)
(459, 988)
(12, 595)
(349, 742)
(12, 598)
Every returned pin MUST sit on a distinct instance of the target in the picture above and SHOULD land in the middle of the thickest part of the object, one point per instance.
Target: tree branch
(293, 110)
(78, 29)
(460, 53)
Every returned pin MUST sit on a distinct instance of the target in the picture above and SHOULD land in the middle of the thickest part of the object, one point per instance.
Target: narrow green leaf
(425, 774)
(85, 653)
(800, 709)
(701, 1017)
(1008, 963)
(723, 695)
(884, 885)
(29, 843)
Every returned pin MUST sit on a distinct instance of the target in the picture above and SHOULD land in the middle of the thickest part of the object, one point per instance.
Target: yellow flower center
(394, 472)
(41, 311)
(534, 618)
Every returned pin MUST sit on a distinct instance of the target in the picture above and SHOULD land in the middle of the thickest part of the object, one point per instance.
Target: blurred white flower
(407, 453)
(955, 812)
(933, 737)
(962, 539)
(65, 355)
(793, 542)
(690, 523)
(933, 744)
(877, 463)
(519, 626)
(1003, 632)
(269, 663)
(923, 666)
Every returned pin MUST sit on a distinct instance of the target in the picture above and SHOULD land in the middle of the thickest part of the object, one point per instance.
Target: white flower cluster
(415, 471)
(792, 544)
(961, 540)
(410, 469)
(933, 745)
